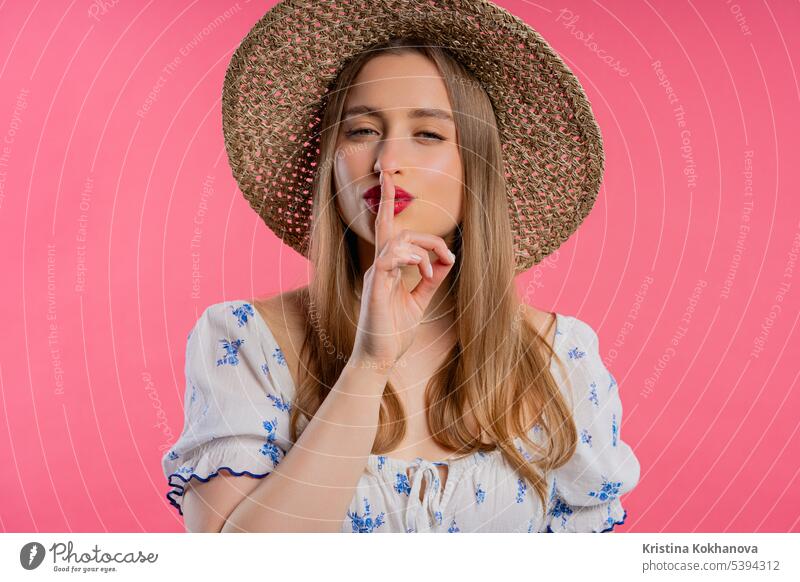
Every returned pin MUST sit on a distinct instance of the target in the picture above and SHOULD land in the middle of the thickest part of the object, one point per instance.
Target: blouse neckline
(376, 462)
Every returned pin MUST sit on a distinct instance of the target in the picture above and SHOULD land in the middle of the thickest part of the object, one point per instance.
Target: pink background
(98, 199)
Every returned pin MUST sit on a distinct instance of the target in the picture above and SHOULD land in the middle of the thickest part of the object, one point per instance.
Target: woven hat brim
(277, 78)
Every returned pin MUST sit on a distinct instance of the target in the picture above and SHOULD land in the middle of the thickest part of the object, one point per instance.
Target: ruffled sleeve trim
(237, 455)
(564, 518)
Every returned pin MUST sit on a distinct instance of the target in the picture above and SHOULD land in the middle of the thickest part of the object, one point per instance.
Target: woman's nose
(392, 154)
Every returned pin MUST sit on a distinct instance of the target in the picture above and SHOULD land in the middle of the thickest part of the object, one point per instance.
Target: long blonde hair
(497, 370)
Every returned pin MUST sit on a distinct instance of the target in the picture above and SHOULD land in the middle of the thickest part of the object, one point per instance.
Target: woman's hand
(390, 313)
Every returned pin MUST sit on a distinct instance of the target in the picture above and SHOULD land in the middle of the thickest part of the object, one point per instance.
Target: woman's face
(388, 124)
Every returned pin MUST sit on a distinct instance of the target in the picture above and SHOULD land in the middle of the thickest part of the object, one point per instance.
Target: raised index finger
(384, 221)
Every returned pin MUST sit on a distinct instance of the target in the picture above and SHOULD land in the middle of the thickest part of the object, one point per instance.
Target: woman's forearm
(312, 487)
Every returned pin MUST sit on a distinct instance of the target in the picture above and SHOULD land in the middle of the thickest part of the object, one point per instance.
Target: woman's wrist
(361, 365)
(363, 378)
(373, 364)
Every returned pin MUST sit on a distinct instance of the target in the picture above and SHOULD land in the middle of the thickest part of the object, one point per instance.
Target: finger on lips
(383, 228)
(384, 219)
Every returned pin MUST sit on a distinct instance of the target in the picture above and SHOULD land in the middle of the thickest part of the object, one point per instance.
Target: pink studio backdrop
(120, 222)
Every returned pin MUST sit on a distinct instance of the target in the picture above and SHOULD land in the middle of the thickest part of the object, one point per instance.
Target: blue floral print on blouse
(279, 403)
(609, 520)
(453, 527)
(575, 353)
(524, 452)
(593, 394)
(278, 355)
(231, 352)
(614, 430)
(402, 485)
(480, 494)
(561, 509)
(608, 490)
(522, 487)
(381, 461)
(265, 368)
(613, 381)
(365, 523)
(270, 449)
(242, 312)
(173, 455)
(586, 437)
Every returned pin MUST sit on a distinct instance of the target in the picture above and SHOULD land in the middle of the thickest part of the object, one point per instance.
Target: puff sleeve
(236, 416)
(585, 492)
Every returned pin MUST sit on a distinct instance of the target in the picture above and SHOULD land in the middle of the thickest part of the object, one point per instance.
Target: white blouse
(236, 417)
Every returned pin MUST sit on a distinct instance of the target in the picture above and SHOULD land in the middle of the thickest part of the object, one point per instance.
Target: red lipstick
(402, 199)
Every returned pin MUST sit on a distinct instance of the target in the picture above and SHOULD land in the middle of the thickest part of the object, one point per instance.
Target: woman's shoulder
(276, 312)
(578, 348)
(247, 324)
(557, 326)
(230, 316)
(545, 322)
(572, 329)
(281, 311)
(252, 331)
(282, 314)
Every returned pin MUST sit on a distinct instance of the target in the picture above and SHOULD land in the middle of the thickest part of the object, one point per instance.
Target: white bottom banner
(494, 557)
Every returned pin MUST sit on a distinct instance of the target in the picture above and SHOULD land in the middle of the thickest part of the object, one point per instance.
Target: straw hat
(278, 77)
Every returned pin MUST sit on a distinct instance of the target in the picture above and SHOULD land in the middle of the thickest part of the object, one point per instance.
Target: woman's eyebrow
(413, 113)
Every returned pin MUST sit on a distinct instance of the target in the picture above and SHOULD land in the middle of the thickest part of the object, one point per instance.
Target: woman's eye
(429, 134)
(358, 131)
(435, 135)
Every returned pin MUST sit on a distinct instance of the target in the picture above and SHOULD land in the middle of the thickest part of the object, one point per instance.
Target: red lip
(399, 193)
(402, 199)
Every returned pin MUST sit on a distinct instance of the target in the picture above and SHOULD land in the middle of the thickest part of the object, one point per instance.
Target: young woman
(407, 387)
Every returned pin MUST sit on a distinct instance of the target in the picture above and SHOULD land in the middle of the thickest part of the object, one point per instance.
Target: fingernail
(430, 271)
(452, 256)
(380, 179)
(416, 257)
